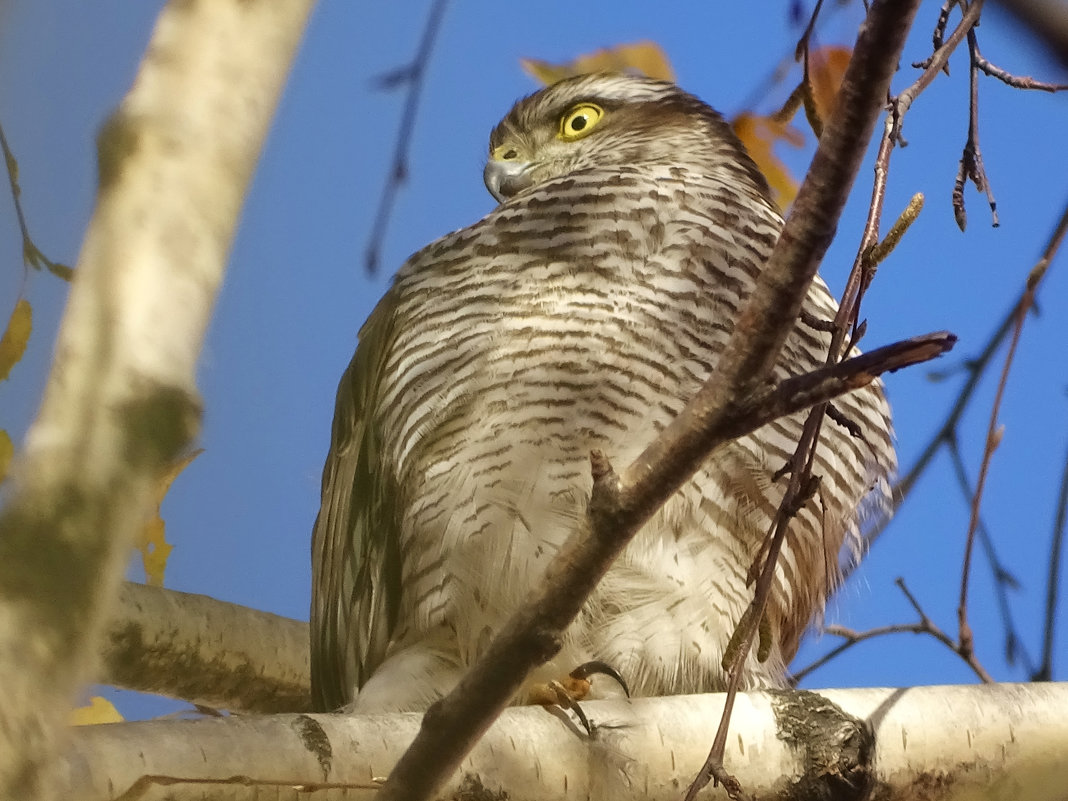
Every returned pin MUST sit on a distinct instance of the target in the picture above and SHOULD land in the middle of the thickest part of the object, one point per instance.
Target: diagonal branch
(976, 370)
(620, 505)
(121, 402)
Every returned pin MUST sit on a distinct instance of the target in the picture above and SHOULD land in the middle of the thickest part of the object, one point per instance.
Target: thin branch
(1045, 672)
(414, 74)
(993, 437)
(802, 47)
(976, 369)
(971, 161)
(1015, 81)
(799, 488)
(801, 482)
(31, 254)
(938, 35)
(938, 60)
(779, 72)
(961, 648)
(924, 626)
(1004, 580)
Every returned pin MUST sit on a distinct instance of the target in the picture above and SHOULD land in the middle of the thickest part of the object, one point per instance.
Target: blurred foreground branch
(121, 402)
(207, 652)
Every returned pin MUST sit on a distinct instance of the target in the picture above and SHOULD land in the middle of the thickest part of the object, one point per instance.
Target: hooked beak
(505, 178)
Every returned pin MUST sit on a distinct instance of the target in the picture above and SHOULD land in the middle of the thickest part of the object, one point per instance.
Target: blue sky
(286, 322)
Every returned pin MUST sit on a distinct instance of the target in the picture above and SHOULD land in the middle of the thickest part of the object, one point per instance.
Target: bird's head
(606, 120)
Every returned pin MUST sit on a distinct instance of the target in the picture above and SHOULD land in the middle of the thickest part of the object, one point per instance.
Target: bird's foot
(567, 692)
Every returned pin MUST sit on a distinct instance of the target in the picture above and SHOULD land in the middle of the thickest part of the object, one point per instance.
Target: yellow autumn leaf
(759, 135)
(644, 58)
(17, 334)
(98, 710)
(7, 451)
(152, 542)
(826, 68)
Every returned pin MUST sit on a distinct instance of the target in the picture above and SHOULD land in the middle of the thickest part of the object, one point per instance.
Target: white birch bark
(1006, 741)
(205, 651)
(175, 162)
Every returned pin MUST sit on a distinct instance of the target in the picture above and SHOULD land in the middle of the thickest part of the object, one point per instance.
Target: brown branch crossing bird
(580, 315)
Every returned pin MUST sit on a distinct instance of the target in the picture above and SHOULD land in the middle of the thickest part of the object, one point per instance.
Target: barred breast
(583, 314)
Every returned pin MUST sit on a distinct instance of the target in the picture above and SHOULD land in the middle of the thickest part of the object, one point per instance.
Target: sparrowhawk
(581, 313)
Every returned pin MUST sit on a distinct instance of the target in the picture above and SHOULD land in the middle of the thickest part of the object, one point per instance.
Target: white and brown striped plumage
(583, 312)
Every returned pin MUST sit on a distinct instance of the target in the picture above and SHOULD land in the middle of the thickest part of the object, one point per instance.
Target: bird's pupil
(578, 123)
(511, 154)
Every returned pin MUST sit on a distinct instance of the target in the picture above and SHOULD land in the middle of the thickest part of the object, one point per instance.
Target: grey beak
(506, 178)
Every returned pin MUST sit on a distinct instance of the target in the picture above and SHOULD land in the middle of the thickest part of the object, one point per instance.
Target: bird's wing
(356, 578)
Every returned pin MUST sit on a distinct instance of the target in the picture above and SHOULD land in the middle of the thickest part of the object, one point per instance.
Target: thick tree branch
(1005, 741)
(207, 652)
(121, 403)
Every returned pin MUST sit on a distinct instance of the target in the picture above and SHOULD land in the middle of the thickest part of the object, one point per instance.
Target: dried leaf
(13, 343)
(759, 135)
(98, 710)
(826, 68)
(152, 542)
(7, 452)
(643, 58)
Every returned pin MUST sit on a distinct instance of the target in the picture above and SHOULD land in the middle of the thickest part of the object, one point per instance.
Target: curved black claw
(576, 707)
(595, 666)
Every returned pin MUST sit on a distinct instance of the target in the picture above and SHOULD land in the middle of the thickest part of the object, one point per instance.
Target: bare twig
(1015, 81)
(1045, 671)
(1004, 580)
(993, 436)
(938, 60)
(414, 74)
(802, 47)
(31, 254)
(971, 161)
(924, 626)
(976, 368)
(851, 638)
(938, 36)
(779, 72)
(962, 649)
(799, 488)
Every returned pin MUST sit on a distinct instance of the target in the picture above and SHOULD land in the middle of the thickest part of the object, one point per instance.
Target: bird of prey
(581, 313)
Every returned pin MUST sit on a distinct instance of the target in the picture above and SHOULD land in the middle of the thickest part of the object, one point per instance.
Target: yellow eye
(579, 121)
